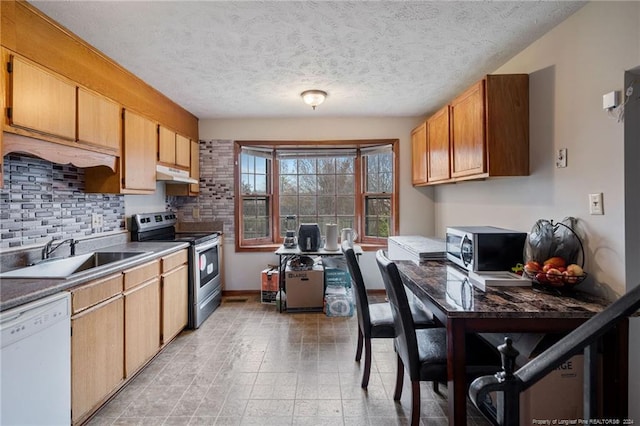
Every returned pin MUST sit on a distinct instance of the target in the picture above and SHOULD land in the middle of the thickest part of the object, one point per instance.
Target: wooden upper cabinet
(490, 128)
(183, 151)
(42, 101)
(419, 155)
(173, 149)
(98, 121)
(166, 145)
(194, 188)
(438, 146)
(468, 132)
(139, 157)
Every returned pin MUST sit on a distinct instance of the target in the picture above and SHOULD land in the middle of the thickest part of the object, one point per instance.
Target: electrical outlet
(97, 221)
(196, 213)
(595, 204)
(561, 158)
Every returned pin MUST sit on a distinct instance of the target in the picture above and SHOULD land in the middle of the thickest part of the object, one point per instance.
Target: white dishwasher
(35, 362)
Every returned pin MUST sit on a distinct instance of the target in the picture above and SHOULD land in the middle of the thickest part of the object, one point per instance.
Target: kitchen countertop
(17, 291)
(444, 285)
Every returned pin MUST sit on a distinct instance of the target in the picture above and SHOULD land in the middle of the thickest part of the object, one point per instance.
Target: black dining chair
(375, 319)
(423, 352)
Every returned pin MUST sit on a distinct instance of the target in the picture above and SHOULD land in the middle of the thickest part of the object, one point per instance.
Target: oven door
(206, 282)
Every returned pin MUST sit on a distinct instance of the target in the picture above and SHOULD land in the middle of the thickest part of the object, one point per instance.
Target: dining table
(464, 307)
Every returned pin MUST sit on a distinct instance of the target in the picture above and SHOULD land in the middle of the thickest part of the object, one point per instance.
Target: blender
(290, 240)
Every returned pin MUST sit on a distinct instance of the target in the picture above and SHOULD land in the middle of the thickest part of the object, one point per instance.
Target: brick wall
(41, 200)
(216, 199)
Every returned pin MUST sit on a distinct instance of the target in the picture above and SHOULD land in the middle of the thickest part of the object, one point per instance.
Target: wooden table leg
(456, 375)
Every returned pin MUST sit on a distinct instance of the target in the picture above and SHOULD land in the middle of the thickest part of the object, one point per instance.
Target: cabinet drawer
(95, 292)
(140, 274)
(173, 260)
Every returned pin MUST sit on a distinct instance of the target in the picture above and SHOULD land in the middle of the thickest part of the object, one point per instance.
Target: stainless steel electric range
(205, 283)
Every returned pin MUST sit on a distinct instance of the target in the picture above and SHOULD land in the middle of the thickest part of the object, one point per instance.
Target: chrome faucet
(50, 248)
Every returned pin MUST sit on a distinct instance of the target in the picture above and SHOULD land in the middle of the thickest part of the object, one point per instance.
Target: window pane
(255, 217)
(385, 182)
(385, 161)
(307, 184)
(288, 205)
(261, 165)
(345, 165)
(308, 206)
(288, 166)
(345, 222)
(345, 185)
(372, 183)
(244, 163)
(372, 164)
(306, 165)
(288, 184)
(377, 216)
(326, 205)
(326, 184)
(261, 184)
(247, 183)
(326, 166)
(346, 206)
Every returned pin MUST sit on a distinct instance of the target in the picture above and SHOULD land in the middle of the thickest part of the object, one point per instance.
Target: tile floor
(250, 365)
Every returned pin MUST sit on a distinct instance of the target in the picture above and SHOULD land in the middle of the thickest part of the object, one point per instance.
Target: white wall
(156, 202)
(570, 68)
(242, 270)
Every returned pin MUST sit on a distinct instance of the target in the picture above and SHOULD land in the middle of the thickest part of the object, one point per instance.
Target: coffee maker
(290, 240)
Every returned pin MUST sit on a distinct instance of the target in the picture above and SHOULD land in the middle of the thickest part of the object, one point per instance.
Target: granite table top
(445, 286)
(18, 291)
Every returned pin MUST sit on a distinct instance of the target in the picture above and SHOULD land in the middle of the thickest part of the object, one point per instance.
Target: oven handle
(206, 246)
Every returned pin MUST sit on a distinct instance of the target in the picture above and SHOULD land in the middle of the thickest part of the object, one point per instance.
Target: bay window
(282, 184)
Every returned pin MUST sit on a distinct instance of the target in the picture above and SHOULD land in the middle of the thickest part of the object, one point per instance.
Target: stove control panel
(149, 221)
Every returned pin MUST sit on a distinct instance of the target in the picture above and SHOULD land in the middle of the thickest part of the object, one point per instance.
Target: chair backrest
(406, 343)
(362, 301)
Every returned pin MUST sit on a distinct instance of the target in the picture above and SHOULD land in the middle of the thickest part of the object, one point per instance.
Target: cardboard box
(305, 289)
(270, 279)
(557, 396)
(269, 285)
(336, 272)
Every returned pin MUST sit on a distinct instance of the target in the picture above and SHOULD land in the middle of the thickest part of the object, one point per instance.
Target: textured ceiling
(253, 59)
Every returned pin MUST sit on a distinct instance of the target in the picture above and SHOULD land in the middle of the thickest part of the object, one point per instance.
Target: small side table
(285, 254)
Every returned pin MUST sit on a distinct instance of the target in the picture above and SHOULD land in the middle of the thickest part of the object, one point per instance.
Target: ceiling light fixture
(313, 97)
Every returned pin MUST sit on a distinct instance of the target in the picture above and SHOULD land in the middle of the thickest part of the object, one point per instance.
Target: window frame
(273, 179)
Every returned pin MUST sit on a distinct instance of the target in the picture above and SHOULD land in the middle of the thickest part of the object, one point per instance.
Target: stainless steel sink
(70, 266)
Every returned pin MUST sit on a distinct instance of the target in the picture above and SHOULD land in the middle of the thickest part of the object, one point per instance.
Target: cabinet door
(98, 120)
(175, 295)
(419, 155)
(41, 101)
(468, 132)
(438, 146)
(194, 188)
(166, 145)
(183, 151)
(97, 355)
(142, 325)
(139, 159)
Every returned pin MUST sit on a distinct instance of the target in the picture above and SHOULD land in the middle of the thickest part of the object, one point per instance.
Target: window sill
(273, 247)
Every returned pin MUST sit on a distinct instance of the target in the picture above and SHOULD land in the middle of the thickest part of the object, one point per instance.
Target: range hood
(171, 175)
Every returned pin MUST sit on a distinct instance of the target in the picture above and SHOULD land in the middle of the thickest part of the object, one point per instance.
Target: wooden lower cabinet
(141, 325)
(97, 355)
(175, 299)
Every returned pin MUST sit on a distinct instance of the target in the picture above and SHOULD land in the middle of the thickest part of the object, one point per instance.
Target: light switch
(561, 158)
(595, 204)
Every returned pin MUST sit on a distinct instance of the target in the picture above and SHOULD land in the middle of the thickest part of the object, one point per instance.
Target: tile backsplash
(41, 200)
(216, 199)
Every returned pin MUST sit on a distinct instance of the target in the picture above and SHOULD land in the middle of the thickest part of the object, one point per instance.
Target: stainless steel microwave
(484, 248)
